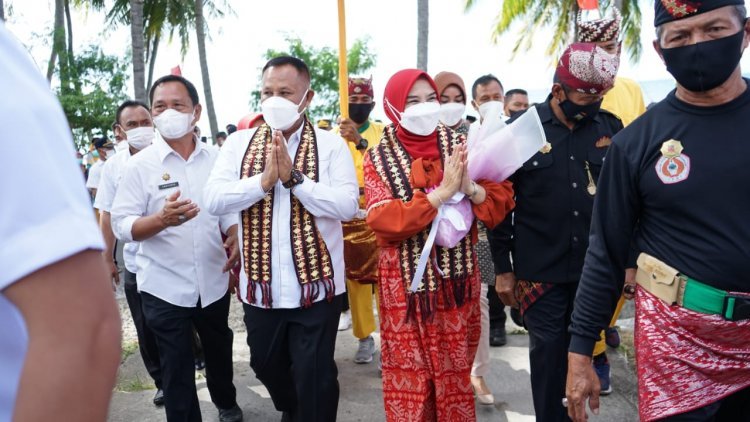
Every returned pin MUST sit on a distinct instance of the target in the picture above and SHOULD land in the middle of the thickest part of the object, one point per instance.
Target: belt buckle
(736, 307)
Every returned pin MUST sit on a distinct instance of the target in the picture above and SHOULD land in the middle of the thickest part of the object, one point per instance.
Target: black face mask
(514, 114)
(705, 65)
(359, 113)
(580, 113)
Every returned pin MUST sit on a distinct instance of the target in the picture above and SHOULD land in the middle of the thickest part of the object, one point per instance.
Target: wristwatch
(295, 179)
(362, 144)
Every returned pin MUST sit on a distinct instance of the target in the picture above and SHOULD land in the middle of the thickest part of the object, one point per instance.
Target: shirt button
(535, 163)
(574, 184)
(572, 158)
(575, 213)
(575, 238)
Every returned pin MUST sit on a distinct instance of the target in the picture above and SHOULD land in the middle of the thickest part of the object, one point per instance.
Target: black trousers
(146, 339)
(547, 321)
(733, 408)
(497, 310)
(291, 352)
(173, 327)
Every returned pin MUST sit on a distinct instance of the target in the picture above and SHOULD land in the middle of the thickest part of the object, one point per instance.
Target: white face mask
(107, 153)
(420, 119)
(491, 108)
(174, 125)
(121, 146)
(140, 137)
(281, 113)
(451, 113)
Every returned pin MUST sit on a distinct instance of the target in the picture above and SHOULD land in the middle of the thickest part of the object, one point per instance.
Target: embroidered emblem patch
(673, 166)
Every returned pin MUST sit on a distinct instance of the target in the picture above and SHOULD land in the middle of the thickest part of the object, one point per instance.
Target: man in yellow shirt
(360, 251)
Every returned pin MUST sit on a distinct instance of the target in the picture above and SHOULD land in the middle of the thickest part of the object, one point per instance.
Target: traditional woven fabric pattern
(685, 359)
(389, 178)
(426, 362)
(528, 292)
(311, 257)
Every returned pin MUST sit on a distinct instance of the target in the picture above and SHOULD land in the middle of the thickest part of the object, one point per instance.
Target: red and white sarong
(686, 360)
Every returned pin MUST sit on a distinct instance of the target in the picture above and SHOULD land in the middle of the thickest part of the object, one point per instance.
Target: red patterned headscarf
(361, 86)
(587, 68)
(600, 30)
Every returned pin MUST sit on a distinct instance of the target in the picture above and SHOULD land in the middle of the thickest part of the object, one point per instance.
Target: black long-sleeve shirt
(696, 219)
(547, 234)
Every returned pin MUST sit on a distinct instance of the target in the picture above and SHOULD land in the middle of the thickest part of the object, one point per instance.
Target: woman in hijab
(452, 96)
(429, 335)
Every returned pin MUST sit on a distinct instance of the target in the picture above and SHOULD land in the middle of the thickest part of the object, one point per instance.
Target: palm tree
(136, 39)
(423, 29)
(200, 31)
(560, 14)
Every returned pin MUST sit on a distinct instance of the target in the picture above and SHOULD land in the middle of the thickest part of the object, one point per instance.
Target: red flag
(588, 4)
(178, 72)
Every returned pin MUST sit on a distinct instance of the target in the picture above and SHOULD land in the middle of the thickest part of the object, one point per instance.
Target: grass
(627, 346)
(133, 385)
(128, 349)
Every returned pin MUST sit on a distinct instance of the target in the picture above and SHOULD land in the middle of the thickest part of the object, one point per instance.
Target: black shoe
(498, 337)
(515, 315)
(199, 364)
(230, 415)
(159, 397)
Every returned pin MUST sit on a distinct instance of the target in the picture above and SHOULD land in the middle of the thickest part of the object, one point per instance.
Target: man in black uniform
(548, 232)
(679, 173)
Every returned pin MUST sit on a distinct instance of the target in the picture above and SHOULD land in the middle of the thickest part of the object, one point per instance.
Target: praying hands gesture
(456, 179)
(278, 162)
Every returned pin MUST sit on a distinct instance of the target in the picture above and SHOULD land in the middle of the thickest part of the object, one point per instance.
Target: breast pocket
(537, 175)
(595, 159)
(324, 171)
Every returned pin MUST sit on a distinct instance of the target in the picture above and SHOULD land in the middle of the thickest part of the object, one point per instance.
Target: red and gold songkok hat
(587, 68)
(672, 10)
(599, 30)
(361, 86)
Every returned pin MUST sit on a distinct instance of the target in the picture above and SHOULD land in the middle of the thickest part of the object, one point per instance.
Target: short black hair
(291, 61)
(192, 92)
(127, 104)
(221, 135)
(516, 91)
(231, 128)
(484, 80)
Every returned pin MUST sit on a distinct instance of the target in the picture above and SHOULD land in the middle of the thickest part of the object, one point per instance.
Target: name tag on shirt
(169, 185)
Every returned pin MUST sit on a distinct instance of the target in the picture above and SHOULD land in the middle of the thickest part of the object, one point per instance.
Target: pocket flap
(656, 270)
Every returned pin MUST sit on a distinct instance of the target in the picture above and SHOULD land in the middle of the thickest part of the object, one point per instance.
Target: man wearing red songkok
(548, 234)
(678, 173)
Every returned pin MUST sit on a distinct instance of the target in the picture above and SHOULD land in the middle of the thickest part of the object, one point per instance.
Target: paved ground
(361, 398)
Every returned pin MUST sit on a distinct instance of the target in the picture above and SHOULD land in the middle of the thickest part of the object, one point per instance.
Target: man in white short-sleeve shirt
(292, 187)
(106, 150)
(59, 324)
(135, 128)
(182, 266)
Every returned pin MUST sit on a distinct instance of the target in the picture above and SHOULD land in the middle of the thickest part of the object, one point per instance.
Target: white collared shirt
(332, 200)
(105, 195)
(46, 213)
(180, 264)
(95, 174)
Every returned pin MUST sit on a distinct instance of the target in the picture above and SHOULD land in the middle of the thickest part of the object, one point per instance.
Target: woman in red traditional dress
(429, 334)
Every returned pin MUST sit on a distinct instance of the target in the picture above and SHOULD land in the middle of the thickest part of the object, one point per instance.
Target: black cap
(672, 10)
(103, 142)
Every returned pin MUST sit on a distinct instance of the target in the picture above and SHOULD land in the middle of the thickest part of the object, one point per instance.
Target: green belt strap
(703, 298)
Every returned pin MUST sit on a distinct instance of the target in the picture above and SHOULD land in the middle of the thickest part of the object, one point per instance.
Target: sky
(459, 41)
